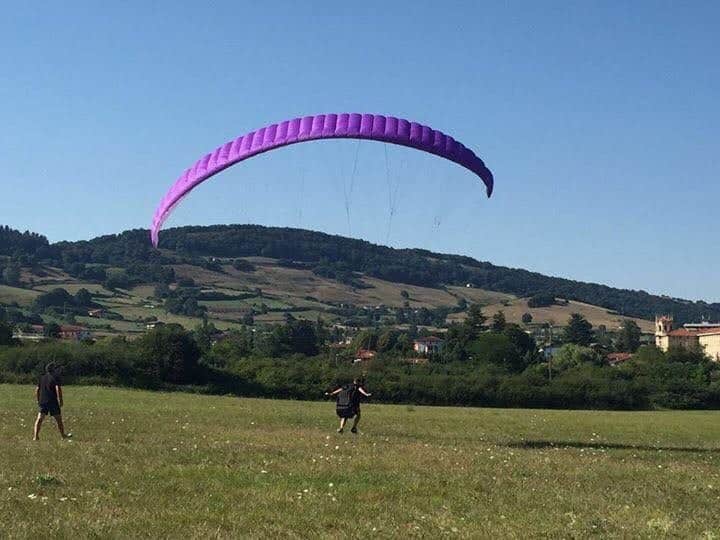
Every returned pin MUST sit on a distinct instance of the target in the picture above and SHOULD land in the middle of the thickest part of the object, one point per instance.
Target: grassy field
(155, 465)
(23, 297)
(558, 315)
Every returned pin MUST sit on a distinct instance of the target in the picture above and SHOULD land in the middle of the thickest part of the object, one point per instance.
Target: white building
(428, 345)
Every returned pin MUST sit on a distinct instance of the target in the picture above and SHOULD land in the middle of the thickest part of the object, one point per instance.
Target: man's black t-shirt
(356, 395)
(47, 384)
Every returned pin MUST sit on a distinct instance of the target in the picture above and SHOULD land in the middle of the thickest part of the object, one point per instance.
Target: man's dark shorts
(53, 409)
(347, 412)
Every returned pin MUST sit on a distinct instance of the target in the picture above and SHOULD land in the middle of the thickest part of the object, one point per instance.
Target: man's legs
(38, 423)
(61, 427)
(355, 422)
(342, 425)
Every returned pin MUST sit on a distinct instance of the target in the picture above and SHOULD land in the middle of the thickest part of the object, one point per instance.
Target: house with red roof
(617, 358)
(364, 355)
(73, 332)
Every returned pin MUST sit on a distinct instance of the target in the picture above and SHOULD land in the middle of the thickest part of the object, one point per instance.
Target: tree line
(484, 362)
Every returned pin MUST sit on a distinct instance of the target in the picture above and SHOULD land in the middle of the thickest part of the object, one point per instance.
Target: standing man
(348, 403)
(50, 400)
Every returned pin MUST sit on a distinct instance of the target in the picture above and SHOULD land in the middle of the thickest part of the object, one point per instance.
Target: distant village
(703, 336)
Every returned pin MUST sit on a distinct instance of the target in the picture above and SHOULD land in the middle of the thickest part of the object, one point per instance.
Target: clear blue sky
(600, 121)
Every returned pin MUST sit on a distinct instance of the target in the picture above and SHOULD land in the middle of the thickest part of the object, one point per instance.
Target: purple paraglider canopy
(323, 126)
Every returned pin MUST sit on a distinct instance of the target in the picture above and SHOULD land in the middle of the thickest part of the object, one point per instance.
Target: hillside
(246, 270)
(226, 467)
(272, 290)
(557, 315)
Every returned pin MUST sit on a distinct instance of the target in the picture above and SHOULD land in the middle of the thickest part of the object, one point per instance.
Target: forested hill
(330, 256)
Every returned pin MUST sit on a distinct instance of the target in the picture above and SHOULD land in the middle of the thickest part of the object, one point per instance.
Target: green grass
(154, 465)
(23, 297)
(74, 287)
(124, 327)
(132, 313)
(237, 305)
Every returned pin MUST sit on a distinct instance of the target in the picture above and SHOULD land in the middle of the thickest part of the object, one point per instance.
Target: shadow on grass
(609, 446)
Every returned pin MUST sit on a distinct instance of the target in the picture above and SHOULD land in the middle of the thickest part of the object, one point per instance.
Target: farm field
(145, 464)
(557, 315)
(10, 295)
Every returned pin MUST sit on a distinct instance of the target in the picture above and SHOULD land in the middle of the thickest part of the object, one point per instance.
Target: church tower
(663, 326)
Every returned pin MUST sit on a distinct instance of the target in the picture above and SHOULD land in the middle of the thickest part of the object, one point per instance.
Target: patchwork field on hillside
(557, 315)
(272, 290)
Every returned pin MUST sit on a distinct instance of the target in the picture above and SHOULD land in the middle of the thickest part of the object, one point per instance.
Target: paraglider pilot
(348, 403)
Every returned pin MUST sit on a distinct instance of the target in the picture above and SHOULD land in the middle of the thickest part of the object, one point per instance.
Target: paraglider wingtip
(489, 183)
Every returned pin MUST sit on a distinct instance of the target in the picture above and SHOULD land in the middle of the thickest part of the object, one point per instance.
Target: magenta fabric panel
(323, 126)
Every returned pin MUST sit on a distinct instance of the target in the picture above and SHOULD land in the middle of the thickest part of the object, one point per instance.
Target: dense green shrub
(491, 368)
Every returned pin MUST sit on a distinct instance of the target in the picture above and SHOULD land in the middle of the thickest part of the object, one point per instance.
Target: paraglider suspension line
(392, 193)
(348, 192)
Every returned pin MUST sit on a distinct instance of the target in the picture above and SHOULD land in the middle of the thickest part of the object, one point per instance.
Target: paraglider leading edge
(375, 127)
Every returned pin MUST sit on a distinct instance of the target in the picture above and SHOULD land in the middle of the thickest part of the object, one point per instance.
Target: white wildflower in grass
(330, 484)
(337, 448)
(305, 490)
(62, 499)
(32, 496)
(660, 524)
(263, 471)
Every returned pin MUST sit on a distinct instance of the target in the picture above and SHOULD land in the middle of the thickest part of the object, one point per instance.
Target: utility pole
(550, 355)
(550, 368)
